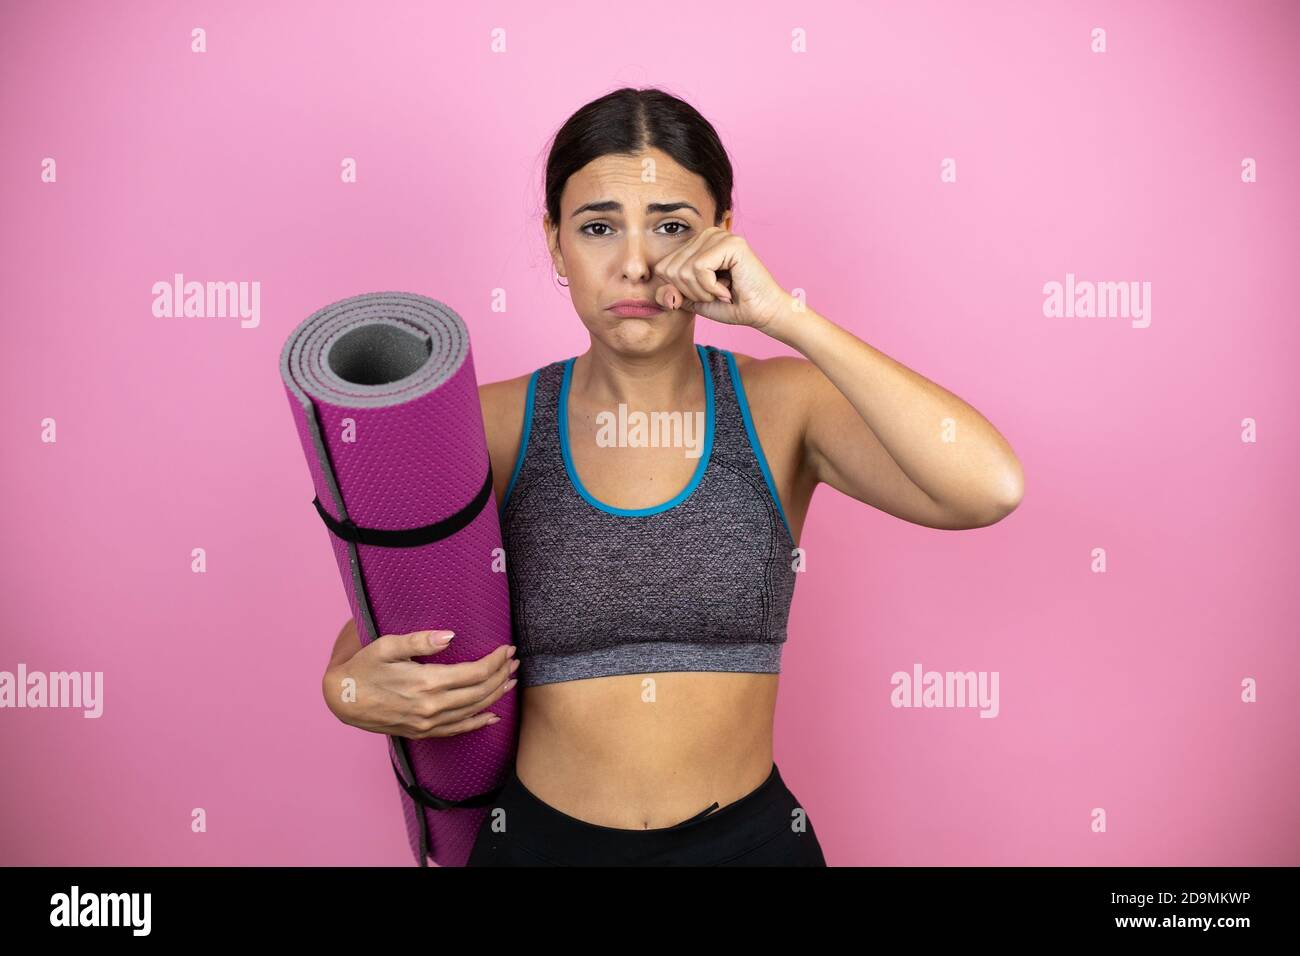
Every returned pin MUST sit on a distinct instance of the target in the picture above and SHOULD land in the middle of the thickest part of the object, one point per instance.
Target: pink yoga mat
(384, 397)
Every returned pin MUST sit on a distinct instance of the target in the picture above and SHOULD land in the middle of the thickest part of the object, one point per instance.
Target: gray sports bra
(702, 582)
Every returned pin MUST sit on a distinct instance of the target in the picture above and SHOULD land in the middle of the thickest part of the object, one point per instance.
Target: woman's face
(619, 215)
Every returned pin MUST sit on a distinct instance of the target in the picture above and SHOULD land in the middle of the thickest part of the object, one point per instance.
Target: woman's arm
(949, 467)
(346, 645)
(870, 427)
(391, 693)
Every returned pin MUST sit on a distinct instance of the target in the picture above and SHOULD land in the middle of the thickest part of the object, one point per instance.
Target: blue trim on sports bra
(739, 387)
(523, 442)
(563, 415)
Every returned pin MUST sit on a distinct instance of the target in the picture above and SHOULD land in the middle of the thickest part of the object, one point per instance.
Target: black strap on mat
(408, 537)
(423, 798)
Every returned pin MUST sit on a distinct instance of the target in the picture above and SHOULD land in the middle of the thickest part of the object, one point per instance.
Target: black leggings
(766, 827)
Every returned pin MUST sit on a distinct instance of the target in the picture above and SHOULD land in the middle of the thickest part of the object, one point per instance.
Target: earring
(558, 277)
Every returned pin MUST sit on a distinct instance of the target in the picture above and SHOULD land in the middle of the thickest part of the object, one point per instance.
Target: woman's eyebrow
(613, 205)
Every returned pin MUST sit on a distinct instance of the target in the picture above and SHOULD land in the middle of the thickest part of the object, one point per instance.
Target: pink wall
(1119, 690)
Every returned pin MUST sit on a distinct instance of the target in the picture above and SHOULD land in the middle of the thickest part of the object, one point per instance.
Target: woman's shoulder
(504, 402)
(495, 394)
(776, 378)
(503, 424)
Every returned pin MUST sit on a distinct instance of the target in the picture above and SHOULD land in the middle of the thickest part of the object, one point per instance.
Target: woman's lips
(636, 311)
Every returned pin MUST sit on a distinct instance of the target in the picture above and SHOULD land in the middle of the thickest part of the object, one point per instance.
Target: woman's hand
(379, 688)
(717, 275)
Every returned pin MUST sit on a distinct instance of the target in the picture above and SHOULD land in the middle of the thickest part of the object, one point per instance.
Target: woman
(651, 580)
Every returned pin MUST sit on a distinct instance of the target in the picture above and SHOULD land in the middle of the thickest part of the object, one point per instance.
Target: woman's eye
(681, 228)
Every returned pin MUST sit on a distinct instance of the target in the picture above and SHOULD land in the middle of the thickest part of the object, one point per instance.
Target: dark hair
(629, 121)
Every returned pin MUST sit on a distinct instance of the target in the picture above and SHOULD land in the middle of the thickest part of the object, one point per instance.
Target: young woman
(651, 581)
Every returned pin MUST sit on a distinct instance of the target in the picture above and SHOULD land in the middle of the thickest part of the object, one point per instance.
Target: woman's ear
(553, 244)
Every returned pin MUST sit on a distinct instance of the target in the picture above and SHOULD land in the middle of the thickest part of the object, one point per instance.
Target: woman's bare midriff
(645, 751)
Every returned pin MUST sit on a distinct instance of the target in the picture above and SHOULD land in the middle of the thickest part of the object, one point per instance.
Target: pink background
(1118, 690)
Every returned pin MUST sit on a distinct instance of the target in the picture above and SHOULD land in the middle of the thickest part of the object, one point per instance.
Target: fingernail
(443, 637)
(511, 683)
(494, 719)
(510, 651)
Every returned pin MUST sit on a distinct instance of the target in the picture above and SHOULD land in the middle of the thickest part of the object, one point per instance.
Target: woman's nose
(636, 260)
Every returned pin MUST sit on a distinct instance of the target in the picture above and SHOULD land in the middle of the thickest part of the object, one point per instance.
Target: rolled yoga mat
(386, 404)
